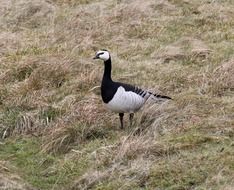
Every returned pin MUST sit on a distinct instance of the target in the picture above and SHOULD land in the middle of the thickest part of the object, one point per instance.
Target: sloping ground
(55, 132)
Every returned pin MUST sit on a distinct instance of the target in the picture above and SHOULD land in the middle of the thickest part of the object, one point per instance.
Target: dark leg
(131, 118)
(121, 120)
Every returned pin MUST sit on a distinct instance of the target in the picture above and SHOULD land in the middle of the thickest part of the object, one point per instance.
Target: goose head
(102, 54)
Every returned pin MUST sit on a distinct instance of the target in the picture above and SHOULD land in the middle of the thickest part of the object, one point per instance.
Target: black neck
(107, 69)
(108, 87)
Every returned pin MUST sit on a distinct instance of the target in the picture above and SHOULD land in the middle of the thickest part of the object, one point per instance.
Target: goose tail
(161, 97)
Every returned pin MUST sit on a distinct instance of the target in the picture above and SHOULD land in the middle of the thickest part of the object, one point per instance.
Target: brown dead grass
(8, 180)
(32, 14)
(82, 122)
(49, 88)
(218, 80)
(223, 78)
(184, 48)
(13, 182)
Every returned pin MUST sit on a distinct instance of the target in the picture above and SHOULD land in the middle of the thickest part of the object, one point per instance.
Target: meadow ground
(55, 132)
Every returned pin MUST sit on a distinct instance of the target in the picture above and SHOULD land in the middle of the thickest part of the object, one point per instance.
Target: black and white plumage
(120, 97)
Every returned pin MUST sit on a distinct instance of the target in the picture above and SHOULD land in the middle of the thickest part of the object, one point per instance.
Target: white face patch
(104, 55)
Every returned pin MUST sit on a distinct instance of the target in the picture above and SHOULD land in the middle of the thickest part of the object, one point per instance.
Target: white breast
(125, 101)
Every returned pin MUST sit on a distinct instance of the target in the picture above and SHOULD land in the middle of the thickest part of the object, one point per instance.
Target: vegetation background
(55, 132)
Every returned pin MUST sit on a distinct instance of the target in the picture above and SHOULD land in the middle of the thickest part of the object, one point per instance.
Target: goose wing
(143, 93)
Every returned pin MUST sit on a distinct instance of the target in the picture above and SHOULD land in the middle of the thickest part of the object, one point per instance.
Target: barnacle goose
(120, 97)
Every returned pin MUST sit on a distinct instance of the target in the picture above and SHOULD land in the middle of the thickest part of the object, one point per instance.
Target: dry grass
(49, 93)
(222, 80)
(10, 180)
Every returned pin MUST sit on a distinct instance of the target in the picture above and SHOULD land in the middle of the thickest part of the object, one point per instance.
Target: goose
(121, 97)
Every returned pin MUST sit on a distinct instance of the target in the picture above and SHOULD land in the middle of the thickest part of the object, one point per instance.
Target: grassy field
(55, 132)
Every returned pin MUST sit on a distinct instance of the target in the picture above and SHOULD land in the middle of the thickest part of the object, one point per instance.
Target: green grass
(44, 171)
(190, 169)
(25, 155)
